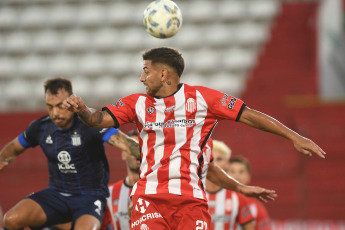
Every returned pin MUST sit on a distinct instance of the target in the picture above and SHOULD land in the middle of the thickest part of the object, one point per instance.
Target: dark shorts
(62, 208)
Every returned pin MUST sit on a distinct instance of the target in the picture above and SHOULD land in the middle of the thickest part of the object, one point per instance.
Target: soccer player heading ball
(174, 121)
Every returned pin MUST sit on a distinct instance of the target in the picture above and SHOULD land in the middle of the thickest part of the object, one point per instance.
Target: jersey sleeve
(222, 105)
(107, 133)
(29, 138)
(244, 213)
(123, 111)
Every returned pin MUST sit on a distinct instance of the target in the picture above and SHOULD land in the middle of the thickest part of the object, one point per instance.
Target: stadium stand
(263, 51)
(41, 39)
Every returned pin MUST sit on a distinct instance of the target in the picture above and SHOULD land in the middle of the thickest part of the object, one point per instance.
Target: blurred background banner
(284, 58)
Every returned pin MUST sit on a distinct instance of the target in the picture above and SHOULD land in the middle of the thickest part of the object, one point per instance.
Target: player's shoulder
(41, 121)
(116, 184)
(201, 89)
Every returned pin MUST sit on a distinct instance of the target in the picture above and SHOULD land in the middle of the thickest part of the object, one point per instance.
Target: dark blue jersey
(76, 158)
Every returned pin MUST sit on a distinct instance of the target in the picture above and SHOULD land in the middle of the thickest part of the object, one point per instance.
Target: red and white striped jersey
(172, 133)
(116, 213)
(261, 217)
(229, 210)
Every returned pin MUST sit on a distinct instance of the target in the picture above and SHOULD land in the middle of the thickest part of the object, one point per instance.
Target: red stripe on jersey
(150, 116)
(169, 145)
(190, 111)
(172, 130)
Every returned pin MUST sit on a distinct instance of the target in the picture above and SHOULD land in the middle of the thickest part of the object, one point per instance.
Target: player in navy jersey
(78, 168)
(174, 121)
(118, 203)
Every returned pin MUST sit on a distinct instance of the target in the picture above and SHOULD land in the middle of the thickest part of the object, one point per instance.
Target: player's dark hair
(241, 160)
(53, 85)
(166, 55)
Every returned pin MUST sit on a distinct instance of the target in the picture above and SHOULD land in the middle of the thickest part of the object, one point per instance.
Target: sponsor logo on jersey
(224, 99)
(145, 217)
(119, 103)
(141, 205)
(170, 124)
(169, 109)
(98, 206)
(144, 227)
(64, 166)
(76, 140)
(232, 103)
(49, 140)
(190, 105)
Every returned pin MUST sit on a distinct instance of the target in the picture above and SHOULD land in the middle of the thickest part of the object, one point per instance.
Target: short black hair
(53, 85)
(241, 160)
(166, 55)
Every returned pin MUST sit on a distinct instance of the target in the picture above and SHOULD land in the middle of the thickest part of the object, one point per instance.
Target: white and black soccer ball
(162, 18)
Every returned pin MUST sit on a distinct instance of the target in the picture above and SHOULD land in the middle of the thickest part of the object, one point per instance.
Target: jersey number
(201, 225)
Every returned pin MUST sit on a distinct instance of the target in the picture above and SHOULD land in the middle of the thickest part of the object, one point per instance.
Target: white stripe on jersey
(181, 116)
(234, 213)
(199, 119)
(220, 205)
(152, 178)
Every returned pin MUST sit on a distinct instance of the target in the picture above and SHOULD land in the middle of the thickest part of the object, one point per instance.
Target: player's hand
(74, 104)
(3, 165)
(308, 147)
(260, 193)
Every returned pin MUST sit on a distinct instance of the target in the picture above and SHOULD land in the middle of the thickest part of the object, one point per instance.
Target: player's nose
(142, 78)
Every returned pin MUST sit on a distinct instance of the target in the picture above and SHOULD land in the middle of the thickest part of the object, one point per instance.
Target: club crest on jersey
(190, 105)
(150, 110)
(141, 205)
(76, 140)
(49, 140)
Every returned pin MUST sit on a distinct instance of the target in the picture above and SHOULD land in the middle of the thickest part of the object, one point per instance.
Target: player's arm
(125, 143)
(248, 226)
(266, 123)
(9, 153)
(219, 177)
(91, 117)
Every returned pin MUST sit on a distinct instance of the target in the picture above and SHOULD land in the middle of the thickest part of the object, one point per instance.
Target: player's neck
(168, 90)
(131, 178)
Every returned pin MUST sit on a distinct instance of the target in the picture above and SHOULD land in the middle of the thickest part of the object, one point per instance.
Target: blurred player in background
(78, 168)
(116, 213)
(228, 209)
(174, 121)
(240, 170)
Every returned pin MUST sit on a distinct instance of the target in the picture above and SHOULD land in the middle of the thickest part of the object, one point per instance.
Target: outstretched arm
(266, 123)
(91, 117)
(125, 143)
(219, 177)
(9, 153)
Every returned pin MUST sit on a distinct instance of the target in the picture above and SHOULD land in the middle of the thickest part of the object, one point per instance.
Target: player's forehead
(218, 154)
(147, 64)
(54, 99)
(237, 166)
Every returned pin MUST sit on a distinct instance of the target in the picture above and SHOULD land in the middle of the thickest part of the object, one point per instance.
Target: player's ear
(164, 74)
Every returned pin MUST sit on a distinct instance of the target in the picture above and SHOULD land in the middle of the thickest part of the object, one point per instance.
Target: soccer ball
(162, 18)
